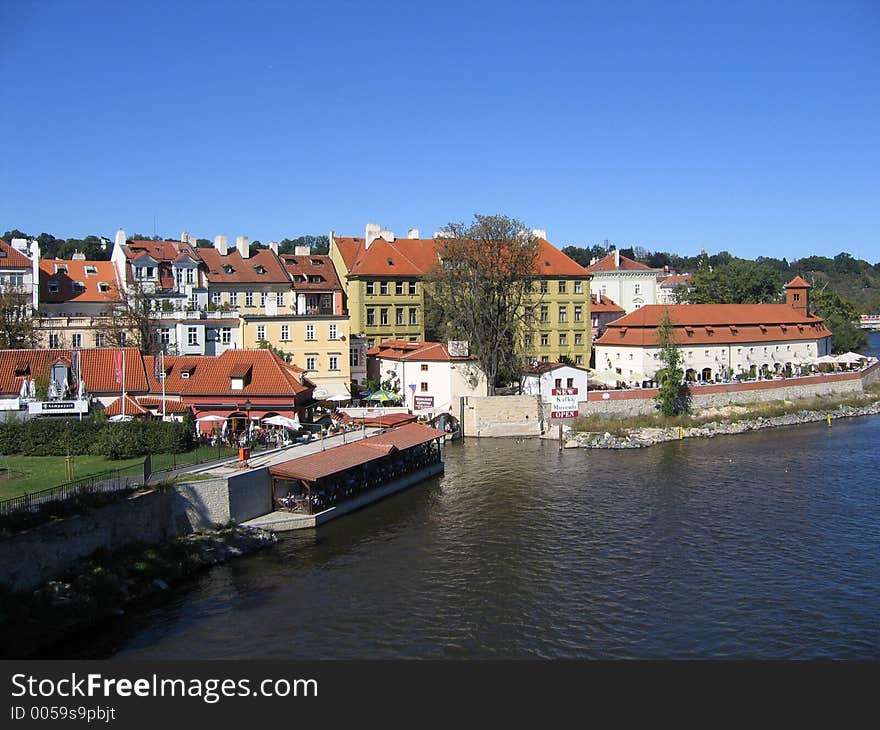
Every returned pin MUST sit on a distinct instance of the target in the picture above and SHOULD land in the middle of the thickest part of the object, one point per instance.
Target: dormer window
(391, 262)
(260, 269)
(78, 287)
(91, 270)
(227, 269)
(103, 287)
(60, 268)
(317, 262)
(53, 287)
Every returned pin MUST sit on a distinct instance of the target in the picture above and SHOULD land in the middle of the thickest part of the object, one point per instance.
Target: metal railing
(109, 481)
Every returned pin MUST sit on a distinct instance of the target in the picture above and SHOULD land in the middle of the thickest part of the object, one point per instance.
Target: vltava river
(761, 545)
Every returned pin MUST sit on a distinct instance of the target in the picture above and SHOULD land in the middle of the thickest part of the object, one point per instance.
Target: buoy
(829, 419)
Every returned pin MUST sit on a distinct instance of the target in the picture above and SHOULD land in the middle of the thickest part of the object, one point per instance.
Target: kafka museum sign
(564, 403)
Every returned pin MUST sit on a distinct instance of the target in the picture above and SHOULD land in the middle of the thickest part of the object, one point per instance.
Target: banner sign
(564, 403)
(423, 402)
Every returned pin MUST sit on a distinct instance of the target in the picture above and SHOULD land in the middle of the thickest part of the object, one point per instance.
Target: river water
(763, 545)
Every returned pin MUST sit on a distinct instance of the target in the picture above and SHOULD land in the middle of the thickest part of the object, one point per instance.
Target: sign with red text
(564, 403)
(423, 402)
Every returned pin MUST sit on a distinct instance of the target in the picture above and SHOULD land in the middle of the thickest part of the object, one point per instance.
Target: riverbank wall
(640, 401)
(501, 416)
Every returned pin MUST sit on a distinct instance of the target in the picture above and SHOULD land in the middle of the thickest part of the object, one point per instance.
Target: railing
(108, 481)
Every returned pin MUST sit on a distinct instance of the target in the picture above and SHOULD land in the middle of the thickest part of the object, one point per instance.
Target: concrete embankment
(103, 586)
(643, 437)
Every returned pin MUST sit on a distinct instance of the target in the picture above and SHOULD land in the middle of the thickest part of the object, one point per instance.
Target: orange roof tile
(427, 351)
(798, 283)
(607, 263)
(341, 458)
(93, 275)
(11, 258)
(244, 271)
(132, 407)
(303, 269)
(714, 323)
(601, 303)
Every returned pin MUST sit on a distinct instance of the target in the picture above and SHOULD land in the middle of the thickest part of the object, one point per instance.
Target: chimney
(184, 237)
(412, 233)
(540, 233)
(371, 233)
(243, 247)
(273, 245)
(387, 235)
(78, 256)
(442, 234)
(220, 245)
(302, 250)
(616, 258)
(120, 238)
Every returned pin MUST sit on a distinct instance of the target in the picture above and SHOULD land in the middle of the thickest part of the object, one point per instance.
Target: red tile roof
(714, 323)
(798, 283)
(673, 280)
(304, 268)
(417, 256)
(244, 271)
(212, 374)
(105, 274)
(539, 368)
(341, 458)
(608, 263)
(427, 351)
(601, 303)
(11, 258)
(160, 250)
(98, 368)
(155, 403)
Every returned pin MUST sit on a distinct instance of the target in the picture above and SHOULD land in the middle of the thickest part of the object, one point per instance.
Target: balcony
(196, 314)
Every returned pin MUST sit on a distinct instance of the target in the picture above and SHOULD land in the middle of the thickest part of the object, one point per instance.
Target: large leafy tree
(841, 318)
(17, 328)
(669, 398)
(131, 321)
(483, 284)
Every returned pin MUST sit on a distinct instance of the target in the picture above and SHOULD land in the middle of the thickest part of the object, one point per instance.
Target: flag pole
(123, 384)
(162, 372)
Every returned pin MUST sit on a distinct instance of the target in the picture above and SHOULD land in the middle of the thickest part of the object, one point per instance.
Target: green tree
(841, 317)
(17, 330)
(669, 398)
(484, 283)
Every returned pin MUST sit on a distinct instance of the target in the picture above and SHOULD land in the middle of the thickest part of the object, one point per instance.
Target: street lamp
(247, 408)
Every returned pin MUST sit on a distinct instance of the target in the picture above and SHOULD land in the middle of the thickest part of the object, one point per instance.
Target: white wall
(543, 385)
(445, 381)
(620, 287)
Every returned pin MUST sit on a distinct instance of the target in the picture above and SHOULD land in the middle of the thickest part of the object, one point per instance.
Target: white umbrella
(24, 389)
(850, 358)
(119, 418)
(210, 418)
(338, 398)
(283, 421)
(824, 360)
(32, 388)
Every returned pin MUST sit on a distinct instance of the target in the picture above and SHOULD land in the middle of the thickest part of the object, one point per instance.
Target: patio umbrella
(850, 358)
(342, 398)
(292, 423)
(382, 396)
(210, 418)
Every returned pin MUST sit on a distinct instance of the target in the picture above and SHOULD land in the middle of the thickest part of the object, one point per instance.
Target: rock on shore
(640, 438)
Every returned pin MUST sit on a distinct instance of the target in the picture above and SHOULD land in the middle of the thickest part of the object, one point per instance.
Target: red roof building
(628, 283)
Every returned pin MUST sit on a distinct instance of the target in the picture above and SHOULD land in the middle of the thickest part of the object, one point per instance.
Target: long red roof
(714, 323)
(93, 275)
(341, 458)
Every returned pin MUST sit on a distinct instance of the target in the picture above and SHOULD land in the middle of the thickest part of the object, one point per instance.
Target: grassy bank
(624, 425)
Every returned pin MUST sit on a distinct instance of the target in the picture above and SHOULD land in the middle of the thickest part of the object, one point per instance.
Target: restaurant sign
(564, 403)
(58, 406)
(423, 402)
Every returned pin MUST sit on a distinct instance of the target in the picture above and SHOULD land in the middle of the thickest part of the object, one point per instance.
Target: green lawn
(42, 472)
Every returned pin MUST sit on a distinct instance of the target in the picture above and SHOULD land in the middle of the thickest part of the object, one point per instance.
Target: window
(578, 359)
(562, 287)
(123, 338)
(578, 314)
(78, 287)
(332, 332)
(569, 383)
(334, 362)
(103, 287)
(579, 287)
(413, 339)
(371, 287)
(413, 317)
(545, 313)
(796, 297)
(262, 299)
(249, 299)
(398, 288)
(578, 339)
(193, 301)
(398, 315)
(53, 287)
(54, 341)
(279, 298)
(528, 340)
(545, 358)
(563, 340)
(190, 276)
(99, 339)
(383, 316)
(543, 286)
(76, 339)
(354, 357)
(604, 289)
(226, 335)
(383, 287)
(261, 332)
(285, 332)
(311, 362)
(557, 383)
(233, 298)
(192, 335)
(637, 288)
(215, 298)
(371, 316)
(545, 340)
(563, 314)
(310, 332)
(424, 367)
(424, 388)
(412, 288)
(164, 335)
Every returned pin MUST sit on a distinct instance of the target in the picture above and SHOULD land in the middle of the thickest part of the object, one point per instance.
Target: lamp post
(247, 408)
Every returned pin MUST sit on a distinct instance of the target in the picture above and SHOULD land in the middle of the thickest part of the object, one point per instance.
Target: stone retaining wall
(502, 415)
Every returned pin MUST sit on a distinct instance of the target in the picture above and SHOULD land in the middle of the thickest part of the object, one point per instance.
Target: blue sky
(750, 127)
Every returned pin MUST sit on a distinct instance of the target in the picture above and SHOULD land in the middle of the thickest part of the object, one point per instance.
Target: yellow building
(383, 280)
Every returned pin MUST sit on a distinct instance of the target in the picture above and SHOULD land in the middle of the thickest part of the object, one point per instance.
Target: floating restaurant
(316, 488)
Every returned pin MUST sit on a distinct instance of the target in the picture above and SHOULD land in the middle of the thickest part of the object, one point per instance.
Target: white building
(717, 341)
(543, 377)
(626, 282)
(426, 374)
